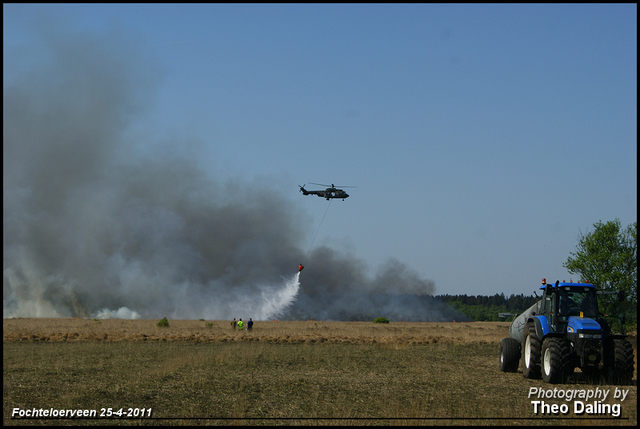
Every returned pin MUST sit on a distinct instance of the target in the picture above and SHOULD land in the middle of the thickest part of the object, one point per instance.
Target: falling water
(274, 301)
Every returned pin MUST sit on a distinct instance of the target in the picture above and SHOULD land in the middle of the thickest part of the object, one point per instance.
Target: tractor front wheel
(555, 360)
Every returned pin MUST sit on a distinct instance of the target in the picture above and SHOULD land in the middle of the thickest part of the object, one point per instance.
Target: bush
(380, 320)
(163, 323)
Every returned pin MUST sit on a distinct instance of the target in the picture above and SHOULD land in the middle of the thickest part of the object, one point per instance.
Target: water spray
(274, 303)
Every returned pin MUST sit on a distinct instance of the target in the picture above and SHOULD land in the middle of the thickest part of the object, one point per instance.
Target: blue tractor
(564, 331)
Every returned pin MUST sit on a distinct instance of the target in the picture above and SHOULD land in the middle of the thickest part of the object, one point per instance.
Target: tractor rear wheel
(619, 361)
(530, 352)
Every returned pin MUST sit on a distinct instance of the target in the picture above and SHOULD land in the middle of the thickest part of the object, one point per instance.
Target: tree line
(487, 308)
(606, 257)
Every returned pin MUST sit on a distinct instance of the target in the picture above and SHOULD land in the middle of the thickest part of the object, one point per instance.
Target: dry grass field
(280, 373)
(71, 330)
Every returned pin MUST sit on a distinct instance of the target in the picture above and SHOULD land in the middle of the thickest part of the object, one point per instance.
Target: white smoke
(121, 313)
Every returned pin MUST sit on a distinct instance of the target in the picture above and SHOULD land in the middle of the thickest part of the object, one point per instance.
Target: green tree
(607, 258)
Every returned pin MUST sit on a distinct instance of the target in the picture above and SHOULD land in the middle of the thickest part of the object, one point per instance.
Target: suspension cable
(314, 237)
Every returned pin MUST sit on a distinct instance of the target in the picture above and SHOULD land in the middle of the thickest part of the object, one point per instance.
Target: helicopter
(329, 193)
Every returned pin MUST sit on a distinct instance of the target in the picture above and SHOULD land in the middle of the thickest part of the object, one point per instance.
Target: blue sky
(483, 139)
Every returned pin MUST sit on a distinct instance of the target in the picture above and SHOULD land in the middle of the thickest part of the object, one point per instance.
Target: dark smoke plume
(93, 228)
(338, 287)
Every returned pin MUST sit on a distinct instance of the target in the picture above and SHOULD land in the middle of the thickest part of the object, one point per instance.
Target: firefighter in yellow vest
(240, 324)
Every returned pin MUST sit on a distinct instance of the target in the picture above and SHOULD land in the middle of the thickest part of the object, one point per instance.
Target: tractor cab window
(547, 305)
(576, 300)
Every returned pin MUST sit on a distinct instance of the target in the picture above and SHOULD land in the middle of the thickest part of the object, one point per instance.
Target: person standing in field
(250, 324)
(240, 324)
(233, 324)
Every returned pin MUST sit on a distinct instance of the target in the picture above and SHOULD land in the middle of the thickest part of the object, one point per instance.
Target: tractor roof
(565, 284)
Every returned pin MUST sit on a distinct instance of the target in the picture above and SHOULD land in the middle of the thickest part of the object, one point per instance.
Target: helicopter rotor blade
(332, 185)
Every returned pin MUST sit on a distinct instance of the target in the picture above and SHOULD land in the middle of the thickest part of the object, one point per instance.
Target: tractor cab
(572, 309)
(564, 302)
